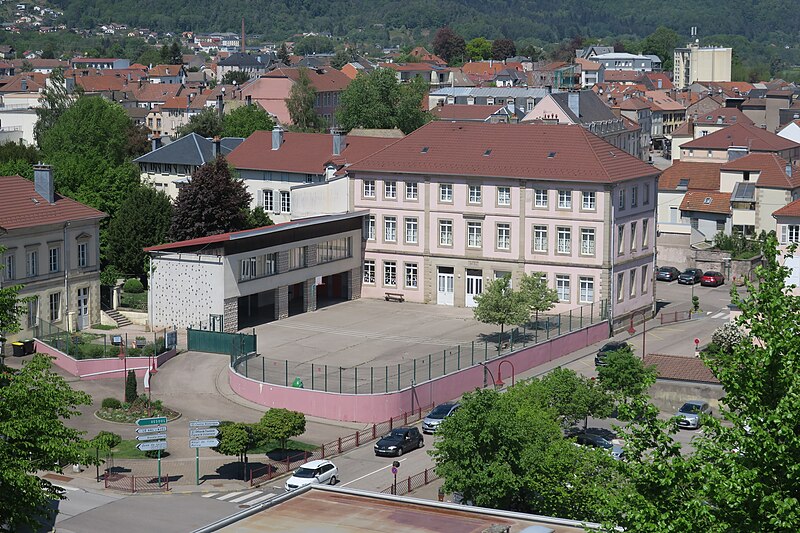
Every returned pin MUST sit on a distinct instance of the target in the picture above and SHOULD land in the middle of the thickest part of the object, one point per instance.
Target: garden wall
(106, 368)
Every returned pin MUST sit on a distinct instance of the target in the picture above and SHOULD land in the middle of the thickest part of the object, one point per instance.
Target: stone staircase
(118, 317)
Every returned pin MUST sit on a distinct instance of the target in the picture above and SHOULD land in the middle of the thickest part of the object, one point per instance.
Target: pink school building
(455, 205)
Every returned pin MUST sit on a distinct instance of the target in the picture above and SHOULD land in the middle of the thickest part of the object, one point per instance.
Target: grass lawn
(127, 450)
(104, 327)
(136, 301)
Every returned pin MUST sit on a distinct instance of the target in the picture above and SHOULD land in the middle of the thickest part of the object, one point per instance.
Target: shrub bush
(130, 387)
(133, 286)
(111, 403)
(105, 439)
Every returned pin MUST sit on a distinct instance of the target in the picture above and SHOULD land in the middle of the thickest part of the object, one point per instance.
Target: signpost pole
(159, 468)
(197, 466)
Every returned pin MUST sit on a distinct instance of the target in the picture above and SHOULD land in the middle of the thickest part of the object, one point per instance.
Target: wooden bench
(394, 297)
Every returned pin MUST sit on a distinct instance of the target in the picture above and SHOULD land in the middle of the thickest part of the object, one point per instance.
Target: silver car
(690, 414)
(435, 417)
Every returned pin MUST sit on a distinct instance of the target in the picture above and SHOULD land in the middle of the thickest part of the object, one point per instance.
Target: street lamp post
(499, 372)
(485, 370)
(632, 330)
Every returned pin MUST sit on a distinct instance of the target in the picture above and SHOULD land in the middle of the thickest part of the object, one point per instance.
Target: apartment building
(701, 63)
(455, 205)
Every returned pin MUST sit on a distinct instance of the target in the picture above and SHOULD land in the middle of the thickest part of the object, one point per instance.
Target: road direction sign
(204, 432)
(152, 436)
(154, 421)
(203, 443)
(152, 446)
(203, 423)
(151, 429)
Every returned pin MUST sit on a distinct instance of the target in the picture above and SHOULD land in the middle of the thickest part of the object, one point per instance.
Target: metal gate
(234, 344)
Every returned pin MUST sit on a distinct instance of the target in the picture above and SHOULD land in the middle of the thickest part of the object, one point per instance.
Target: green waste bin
(297, 383)
(18, 348)
(28, 346)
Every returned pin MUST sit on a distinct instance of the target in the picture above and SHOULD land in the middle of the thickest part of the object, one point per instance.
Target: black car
(668, 274)
(690, 276)
(593, 440)
(399, 441)
(613, 346)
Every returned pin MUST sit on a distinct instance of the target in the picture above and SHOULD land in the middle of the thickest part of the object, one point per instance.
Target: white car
(311, 473)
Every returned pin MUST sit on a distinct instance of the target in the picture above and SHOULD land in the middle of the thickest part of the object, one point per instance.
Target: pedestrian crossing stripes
(241, 497)
(721, 314)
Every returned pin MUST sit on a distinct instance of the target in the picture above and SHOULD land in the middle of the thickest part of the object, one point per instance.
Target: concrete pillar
(283, 262)
(311, 255)
(310, 295)
(230, 317)
(282, 302)
(354, 279)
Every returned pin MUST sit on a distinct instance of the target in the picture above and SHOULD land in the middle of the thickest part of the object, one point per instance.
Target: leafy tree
(258, 218)
(282, 424)
(341, 58)
(235, 77)
(55, 99)
(574, 398)
(34, 402)
(142, 220)
(727, 337)
(237, 439)
(18, 159)
(531, 51)
(626, 375)
(283, 54)
(138, 141)
(499, 304)
(171, 54)
(244, 120)
(537, 295)
(213, 202)
(206, 123)
(410, 111)
(87, 147)
(314, 44)
(150, 56)
(300, 104)
(448, 45)
(11, 308)
(662, 43)
(503, 49)
(479, 49)
(130, 387)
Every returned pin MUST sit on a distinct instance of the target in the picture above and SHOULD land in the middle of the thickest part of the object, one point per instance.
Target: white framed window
(790, 233)
(411, 275)
(390, 190)
(632, 283)
(371, 228)
(634, 196)
(646, 194)
(369, 188)
(633, 236)
(412, 230)
(564, 199)
(9, 272)
(297, 257)
(390, 229)
(540, 238)
(83, 254)
(621, 201)
(586, 290)
(55, 307)
(332, 250)
(390, 273)
(644, 279)
(286, 202)
(504, 196)
(33, 311)
(446, 192)
(564, 236)
(446, 232)
(32, 263)
(411, 190)
(475, 194)
(540, 198)
(620, 286)
(369, 271)
(589, 201)
(504, 236)
(474, 235)
(55, 257)
(621, 239)
(562, 287)
(644, 233)
(587, 241)
(268, 200)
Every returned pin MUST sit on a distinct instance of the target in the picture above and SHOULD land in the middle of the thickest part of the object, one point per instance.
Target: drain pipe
(66, 278)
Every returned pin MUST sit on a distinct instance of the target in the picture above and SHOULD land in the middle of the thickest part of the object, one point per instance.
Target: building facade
(701, 63)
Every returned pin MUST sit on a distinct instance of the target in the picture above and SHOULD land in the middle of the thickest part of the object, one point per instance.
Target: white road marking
(71, 489)
(719, 315)
(261, 499)
(367, 475)
(246, 496)
(230, 495)
(210, 494)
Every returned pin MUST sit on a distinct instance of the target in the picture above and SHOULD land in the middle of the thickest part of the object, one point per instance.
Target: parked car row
(690, 276)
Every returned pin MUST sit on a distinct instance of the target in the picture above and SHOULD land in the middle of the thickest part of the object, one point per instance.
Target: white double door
(83, 308)
(445, 280)
(474, 287)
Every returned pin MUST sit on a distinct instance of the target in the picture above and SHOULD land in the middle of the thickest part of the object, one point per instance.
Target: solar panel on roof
(743, 192)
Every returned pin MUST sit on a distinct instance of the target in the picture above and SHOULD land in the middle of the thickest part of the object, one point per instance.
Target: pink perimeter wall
(101, 368)
(373, 408)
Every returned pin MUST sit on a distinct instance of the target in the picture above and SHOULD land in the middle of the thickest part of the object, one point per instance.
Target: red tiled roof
(156, 92)
(328, 80)
(164, 70)
(22, 207)
(588, 65)
(101, 83)
(532, 151)
(666, 83)
(621, 75)
(465, 112)
(701, 176)
(408, 67)
(772, 170)
(757, 139)
(680, 368)
(634, 104)
(682, 131)
(485, 68)
(305, 153)
(707, 202)
(33, 81)
(179, 102)
(789, 210)
(727, 116)
(663, 102)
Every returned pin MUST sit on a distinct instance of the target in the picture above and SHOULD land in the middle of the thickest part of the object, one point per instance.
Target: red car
(712, 279)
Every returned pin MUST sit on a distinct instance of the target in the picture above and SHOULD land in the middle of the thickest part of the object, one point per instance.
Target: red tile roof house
(293, 175)
(739, 138)
(788, 231)
(455, 205)
(52, 248)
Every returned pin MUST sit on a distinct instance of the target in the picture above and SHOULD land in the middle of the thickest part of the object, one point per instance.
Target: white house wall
(186, 291)
(328, 198)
